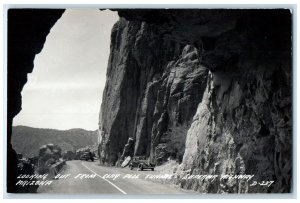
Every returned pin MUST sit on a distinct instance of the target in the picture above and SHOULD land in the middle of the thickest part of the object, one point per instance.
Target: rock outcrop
(210, 88)
(68, 155)
(48, 155)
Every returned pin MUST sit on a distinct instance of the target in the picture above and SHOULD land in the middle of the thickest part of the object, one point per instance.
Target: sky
(65, 89)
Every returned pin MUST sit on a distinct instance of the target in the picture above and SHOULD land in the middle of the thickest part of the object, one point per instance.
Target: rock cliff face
(154, 86)
(210, 88)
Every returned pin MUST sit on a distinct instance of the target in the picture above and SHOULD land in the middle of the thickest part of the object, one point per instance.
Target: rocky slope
(27, 140)
(209, 88)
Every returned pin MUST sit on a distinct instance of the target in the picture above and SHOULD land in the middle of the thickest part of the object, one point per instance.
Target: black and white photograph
(149, 101)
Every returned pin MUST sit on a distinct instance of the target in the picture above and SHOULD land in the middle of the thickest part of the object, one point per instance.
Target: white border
(158, 4)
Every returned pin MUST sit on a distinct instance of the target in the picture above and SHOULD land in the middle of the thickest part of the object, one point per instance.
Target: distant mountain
(28, 140)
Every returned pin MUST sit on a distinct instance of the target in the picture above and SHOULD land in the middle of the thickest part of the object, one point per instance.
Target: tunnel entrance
(63, 93)
(65, 87)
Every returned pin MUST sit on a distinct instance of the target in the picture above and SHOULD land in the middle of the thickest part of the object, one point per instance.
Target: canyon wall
(208, 88)
(152, 91)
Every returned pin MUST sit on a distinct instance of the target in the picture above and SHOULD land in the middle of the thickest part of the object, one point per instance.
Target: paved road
(95, 181)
